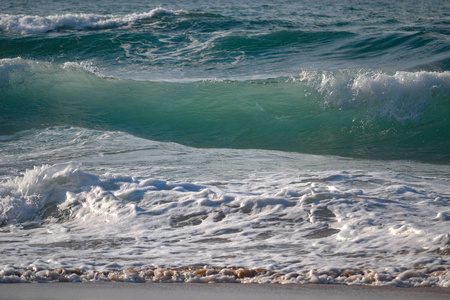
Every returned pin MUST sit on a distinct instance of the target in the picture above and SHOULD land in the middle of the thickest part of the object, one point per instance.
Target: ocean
(249, 141)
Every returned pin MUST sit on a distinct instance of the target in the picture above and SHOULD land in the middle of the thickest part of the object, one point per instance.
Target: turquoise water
(348, 113)
(307, 138)
(346, 78)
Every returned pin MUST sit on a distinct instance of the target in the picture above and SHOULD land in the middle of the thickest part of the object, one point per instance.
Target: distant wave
(353, 113)
(27, 24)
(177, 39)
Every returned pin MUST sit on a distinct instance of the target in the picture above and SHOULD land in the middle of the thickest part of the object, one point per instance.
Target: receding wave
(307, 218)
(359, 113)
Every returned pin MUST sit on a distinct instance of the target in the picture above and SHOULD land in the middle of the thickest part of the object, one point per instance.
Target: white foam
(27, 24)
(401, 96)
(316, 217)
(24, 197)
(88, 66)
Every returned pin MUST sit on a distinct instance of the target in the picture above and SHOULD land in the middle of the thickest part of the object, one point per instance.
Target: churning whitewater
(253, 142)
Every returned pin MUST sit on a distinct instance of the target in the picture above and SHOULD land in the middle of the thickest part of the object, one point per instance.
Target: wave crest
(26, 24)
(346, 112)
(402, 96)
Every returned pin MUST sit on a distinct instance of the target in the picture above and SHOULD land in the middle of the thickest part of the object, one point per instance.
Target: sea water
(223, 141)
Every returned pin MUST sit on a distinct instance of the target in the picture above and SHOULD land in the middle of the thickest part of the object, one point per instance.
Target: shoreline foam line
(414, 277)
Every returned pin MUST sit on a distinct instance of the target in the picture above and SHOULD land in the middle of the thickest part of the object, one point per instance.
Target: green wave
(403, 115)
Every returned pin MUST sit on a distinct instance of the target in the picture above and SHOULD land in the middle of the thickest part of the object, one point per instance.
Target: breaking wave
(26, 24)
(345, 112)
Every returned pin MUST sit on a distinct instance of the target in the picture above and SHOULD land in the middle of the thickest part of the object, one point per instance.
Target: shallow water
(305, 141)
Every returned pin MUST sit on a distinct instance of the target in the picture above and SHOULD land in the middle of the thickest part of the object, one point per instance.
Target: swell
(350, 113)
(179, 38)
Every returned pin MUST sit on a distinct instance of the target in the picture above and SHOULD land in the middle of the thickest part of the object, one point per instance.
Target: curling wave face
(364, 114)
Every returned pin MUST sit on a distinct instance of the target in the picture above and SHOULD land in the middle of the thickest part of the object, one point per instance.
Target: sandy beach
(114, 290)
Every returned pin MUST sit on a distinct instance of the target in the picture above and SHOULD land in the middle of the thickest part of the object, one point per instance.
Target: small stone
(241, 273)
(78, 272)
(62, 271)
(114, 276)
(211, 272)
(260, 271)
(227, 272)
(132, 272)
(201, 272)
(347, 273)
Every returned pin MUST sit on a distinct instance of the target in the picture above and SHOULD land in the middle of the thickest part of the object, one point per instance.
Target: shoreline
(217, 291)
(416, 277)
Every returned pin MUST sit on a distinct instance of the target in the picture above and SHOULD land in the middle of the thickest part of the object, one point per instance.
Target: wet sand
(192, 291)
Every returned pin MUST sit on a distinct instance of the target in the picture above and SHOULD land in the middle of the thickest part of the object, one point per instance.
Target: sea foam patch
(29, 24)
(400, 96)
(360, 223)
(231, 274)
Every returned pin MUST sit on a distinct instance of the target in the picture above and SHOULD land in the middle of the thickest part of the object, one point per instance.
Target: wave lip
(27, 24)
(402, 96)
(367, 114)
